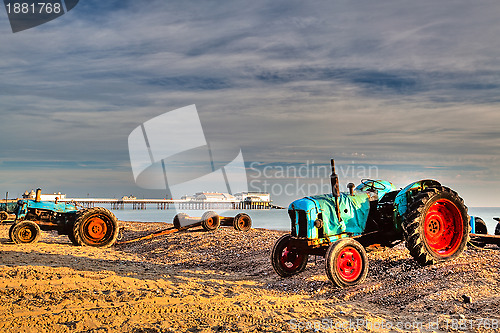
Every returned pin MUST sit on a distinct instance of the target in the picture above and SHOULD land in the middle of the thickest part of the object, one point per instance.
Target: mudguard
(401, 201)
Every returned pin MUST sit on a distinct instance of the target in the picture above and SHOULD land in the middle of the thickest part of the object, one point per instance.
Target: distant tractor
(97, 227)
(7, 210)
(432, 220)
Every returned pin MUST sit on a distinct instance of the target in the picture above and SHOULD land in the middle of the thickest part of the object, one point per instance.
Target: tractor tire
(286, 260)
(95, 227)
(10, 231)
(3, 216)
(346, 263)
(242, 222)
(497, 231)
(481, 229)
(71, 236)
(25, 232)
(210, 221)
(178, 218)
(436, 226)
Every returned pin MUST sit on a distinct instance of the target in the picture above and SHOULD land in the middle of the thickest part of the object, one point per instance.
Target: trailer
(209, 221)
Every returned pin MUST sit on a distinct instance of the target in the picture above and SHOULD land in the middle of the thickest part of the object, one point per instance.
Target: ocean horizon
(273, 219)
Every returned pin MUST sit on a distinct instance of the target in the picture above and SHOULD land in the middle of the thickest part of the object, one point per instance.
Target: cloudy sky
(410, 88)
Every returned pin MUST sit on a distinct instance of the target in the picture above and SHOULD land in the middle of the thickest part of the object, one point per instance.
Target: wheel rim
(349, 264)
(443, 228)
(290, 260)
(210, 222)
(95, 229)
(243, 222)
(26, 234)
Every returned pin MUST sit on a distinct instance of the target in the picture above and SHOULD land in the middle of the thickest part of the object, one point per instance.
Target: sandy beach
(222, 281)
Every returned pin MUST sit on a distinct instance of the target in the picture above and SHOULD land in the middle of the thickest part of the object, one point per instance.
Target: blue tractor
(430, 218)
(96, 226)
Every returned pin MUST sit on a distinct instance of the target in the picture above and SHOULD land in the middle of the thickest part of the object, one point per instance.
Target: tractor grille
(302, 222)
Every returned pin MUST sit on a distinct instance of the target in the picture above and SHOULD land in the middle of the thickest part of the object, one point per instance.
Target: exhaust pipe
(350, 186)
(334, 181)
(38, 197)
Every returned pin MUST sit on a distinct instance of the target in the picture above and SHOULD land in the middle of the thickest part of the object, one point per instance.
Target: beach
(222, 281)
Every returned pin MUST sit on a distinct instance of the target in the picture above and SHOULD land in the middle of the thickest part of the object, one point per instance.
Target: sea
(273, 219)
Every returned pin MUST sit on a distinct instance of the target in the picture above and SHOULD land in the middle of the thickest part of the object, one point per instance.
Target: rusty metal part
(38, 197)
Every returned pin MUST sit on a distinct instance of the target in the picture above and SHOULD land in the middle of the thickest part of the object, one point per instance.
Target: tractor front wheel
(210, 221)
(436, 227)
(95, 227)
(25, 232)
(3, 216)
(286, 259)
(242, 222)
(346, 263)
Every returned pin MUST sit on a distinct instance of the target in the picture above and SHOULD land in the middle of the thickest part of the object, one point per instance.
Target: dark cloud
(190, 83)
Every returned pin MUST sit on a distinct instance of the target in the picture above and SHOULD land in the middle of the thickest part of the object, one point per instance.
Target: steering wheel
(371, 183)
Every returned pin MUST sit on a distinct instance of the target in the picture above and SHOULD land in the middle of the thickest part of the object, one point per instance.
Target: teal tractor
(7, 210)
(96, 226)
(430, 218)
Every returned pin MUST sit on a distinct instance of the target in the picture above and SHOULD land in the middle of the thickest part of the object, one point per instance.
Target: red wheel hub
(443, 228)
(26, 234)
(290, 260)
(96, 228)
(349, 264)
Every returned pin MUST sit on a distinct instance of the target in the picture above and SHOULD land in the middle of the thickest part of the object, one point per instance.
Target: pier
(171, 204)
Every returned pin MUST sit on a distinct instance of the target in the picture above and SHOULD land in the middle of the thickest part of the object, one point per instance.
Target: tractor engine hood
(354, 211)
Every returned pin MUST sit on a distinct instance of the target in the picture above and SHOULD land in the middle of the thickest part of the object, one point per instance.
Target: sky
(398, 90)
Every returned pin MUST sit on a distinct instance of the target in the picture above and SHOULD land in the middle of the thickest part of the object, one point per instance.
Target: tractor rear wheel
(25, 232)
(95, 227)
(497, 231)
(436, 226)
(346, 263)
(242, 222)
(286, 259)
(71, 235)
(210, 221)
(10, 231)
(480, 228)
